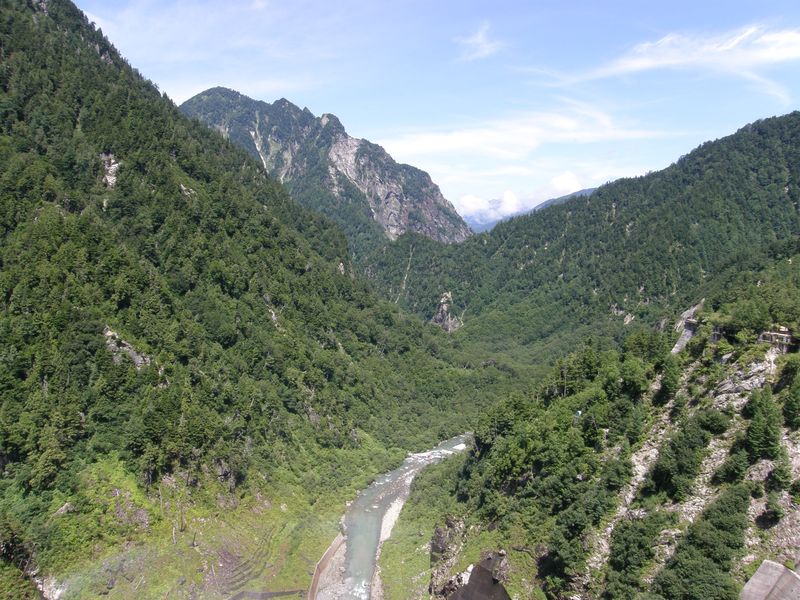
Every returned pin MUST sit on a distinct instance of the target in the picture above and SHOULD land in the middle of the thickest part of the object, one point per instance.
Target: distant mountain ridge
(478, 224)
(353, 181)
(636, 249)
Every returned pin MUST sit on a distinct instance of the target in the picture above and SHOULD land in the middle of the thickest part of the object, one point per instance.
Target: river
(347, 570)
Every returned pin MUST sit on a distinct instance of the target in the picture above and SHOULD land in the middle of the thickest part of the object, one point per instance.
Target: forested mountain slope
(354, 182)
(630, 474)
(634, 249)
(177, 336)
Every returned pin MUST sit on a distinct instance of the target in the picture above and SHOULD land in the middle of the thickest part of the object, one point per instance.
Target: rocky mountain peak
(351, 180)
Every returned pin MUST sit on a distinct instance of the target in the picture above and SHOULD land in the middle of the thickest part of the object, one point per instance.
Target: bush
(734, 468)
(791, 408)
(764, 433)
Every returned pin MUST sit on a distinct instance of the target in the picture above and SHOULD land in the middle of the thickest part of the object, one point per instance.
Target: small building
(781, 338)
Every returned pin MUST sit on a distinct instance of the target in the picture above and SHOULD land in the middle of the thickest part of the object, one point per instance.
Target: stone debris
(111, 167)
(117, 346)
(443, 318)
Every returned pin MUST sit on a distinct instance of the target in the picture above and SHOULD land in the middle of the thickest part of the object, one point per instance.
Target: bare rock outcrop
(119, 347)
(446, 544)
(318, 155)
(110, 169)
(443, 318)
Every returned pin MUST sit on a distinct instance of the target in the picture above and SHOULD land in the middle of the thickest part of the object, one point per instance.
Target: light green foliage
(13, 584)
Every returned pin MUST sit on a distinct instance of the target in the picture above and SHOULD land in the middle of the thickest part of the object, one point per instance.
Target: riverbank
(347, 570)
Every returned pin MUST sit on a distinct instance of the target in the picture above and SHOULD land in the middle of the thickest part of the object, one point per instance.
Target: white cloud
(478, 45)
(484, 211)
(541, 179)
(533, 156)
(741, 52)
(566, 183)
(513, 138)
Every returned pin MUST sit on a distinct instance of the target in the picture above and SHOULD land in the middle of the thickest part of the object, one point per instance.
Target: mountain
(636, 249)
(194, 377)
(484, 222)
(631, 473)
(352, 181)
(191, 373)
(562, 199)
(628, 473)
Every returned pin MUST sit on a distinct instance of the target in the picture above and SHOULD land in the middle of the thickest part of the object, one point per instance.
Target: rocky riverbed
(347, 571)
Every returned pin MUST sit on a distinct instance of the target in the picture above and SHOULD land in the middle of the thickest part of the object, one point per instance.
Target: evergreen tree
(764, 432)
(791, 408)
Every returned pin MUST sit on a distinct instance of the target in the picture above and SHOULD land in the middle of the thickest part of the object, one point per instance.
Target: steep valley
(211, 338)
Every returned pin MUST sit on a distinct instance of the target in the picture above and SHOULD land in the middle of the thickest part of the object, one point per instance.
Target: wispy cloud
(478, 45)
(513, 138)
(547, 179)
(741, 52)
(522, 154)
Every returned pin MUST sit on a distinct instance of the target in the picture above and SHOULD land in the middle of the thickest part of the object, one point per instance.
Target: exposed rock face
(327, 169)
(443, 318)
(49, 587)
(117, 346)
(111, 167)
(445, 546)
(482, 581)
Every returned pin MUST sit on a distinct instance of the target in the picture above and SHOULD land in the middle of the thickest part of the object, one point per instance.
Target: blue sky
(504, 103)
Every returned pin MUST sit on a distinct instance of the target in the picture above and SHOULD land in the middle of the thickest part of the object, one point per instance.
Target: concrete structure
(772, 582)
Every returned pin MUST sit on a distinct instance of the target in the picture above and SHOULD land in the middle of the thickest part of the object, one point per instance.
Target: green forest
(263, 353)
(189, 358)
(549, 468)
(638, 248)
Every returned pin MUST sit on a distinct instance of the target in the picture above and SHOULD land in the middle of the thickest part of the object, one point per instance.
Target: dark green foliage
(791, 408)
(538, 458)
(764, 432)
(670, 379)
(774, 511)
(734, 467)
(257, 346)
(794, 489)
(780, 478)
(700, 567)
(679, 461)
(644, 246)
(632, 548)
(713, 420)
